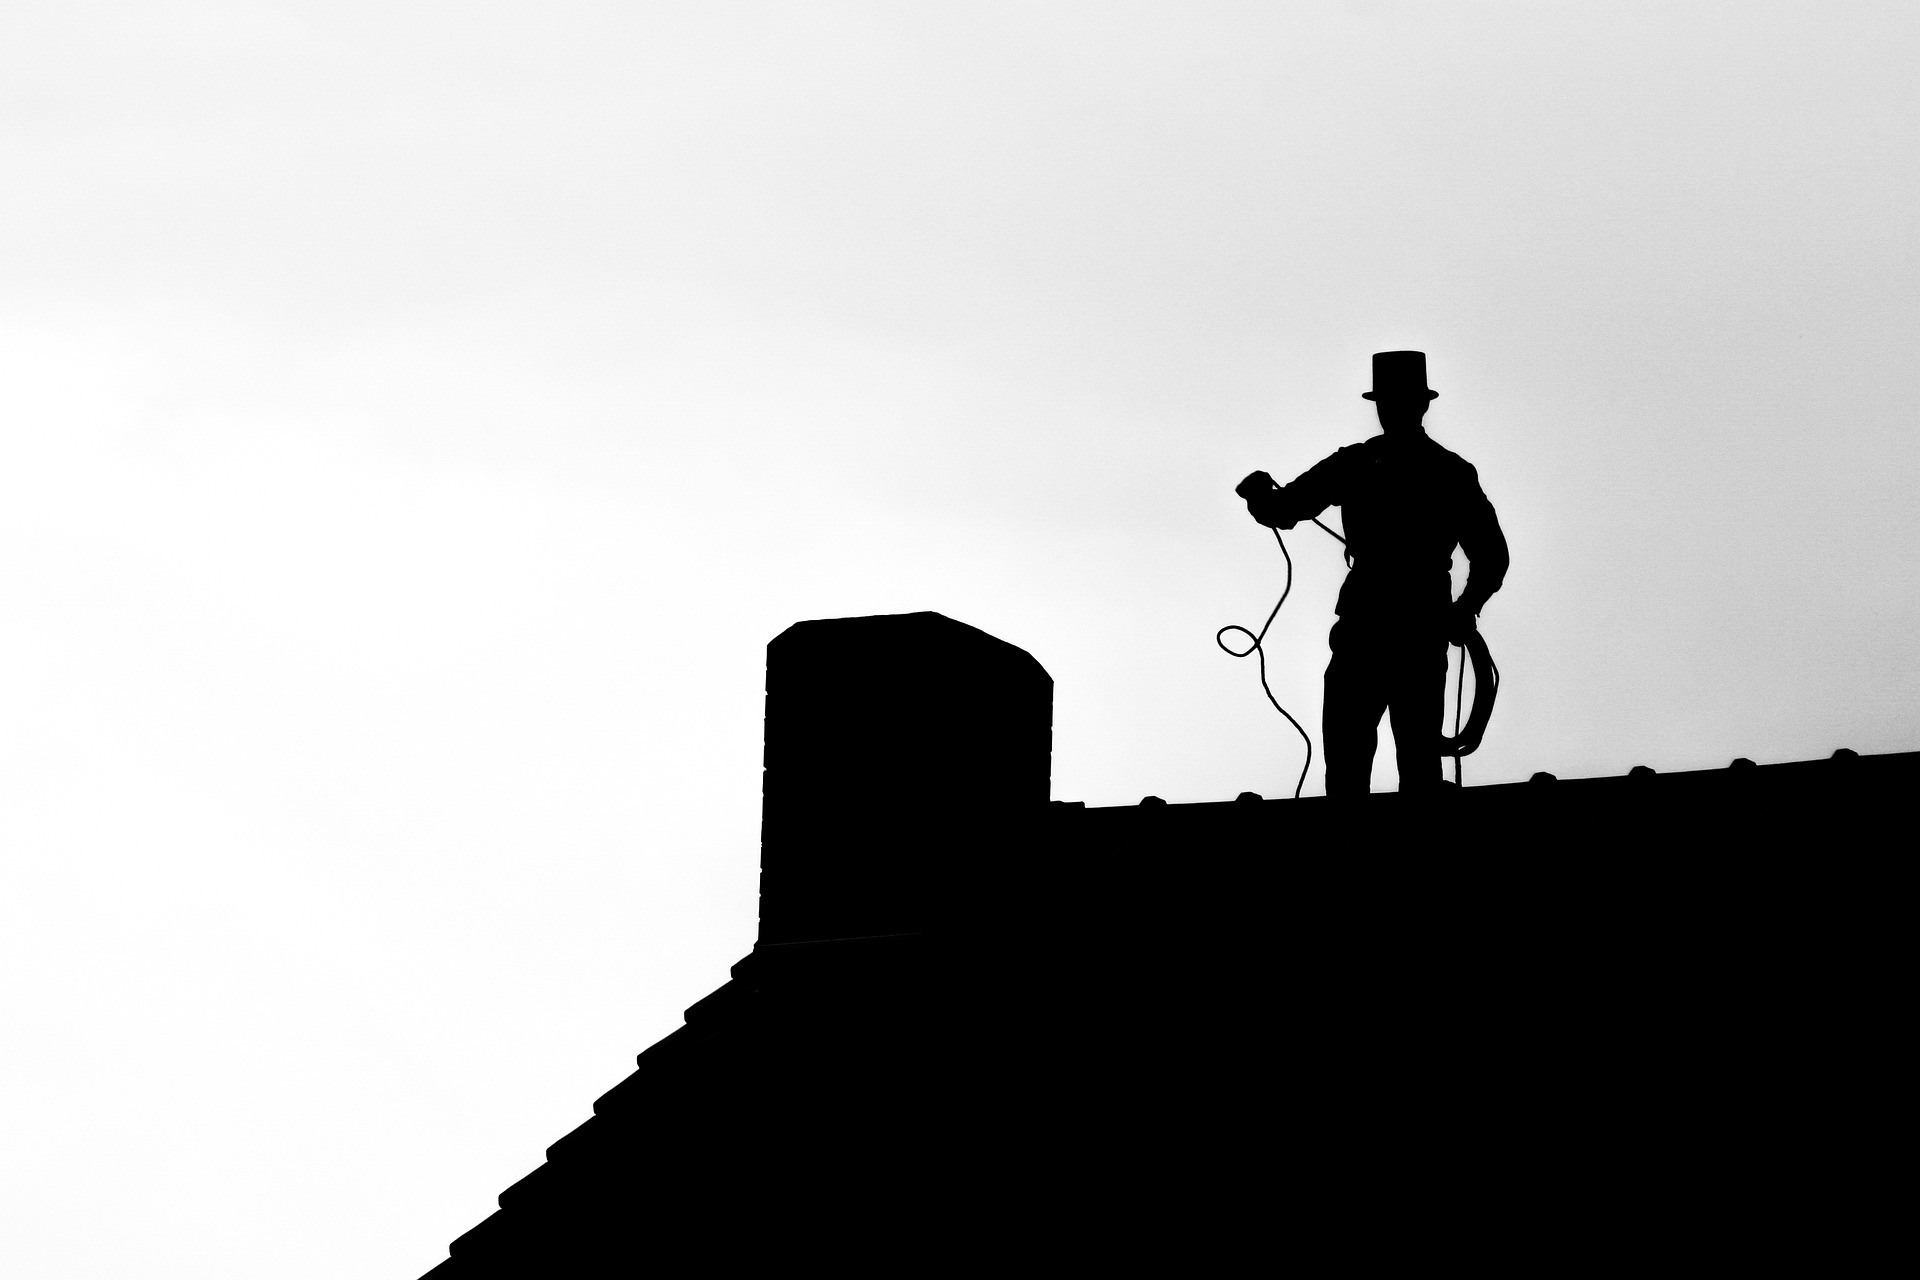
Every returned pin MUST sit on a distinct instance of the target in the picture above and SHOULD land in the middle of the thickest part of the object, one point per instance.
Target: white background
(415, 418)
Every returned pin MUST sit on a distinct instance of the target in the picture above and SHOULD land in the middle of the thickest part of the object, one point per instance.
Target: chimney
(907, 758)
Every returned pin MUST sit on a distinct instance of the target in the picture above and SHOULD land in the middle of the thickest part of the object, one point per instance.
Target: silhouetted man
(1406, 502)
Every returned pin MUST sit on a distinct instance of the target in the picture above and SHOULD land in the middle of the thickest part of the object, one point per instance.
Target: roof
(1137, 999)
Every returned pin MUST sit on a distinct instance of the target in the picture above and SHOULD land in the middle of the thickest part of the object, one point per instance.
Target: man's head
(1400, 393)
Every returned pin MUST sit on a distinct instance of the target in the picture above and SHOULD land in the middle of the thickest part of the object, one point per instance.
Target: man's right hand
(1263, 500)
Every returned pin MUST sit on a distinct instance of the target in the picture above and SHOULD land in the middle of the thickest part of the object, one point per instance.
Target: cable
(1255, 647)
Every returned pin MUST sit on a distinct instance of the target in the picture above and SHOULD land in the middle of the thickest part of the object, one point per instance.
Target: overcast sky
(415, 419)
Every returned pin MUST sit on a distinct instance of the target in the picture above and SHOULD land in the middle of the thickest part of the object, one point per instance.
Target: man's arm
(1283, 506)
(1487, 559)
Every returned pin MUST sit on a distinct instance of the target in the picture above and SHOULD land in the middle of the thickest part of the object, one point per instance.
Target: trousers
(1396, 666)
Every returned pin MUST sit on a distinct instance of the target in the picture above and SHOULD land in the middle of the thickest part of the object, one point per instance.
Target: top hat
(1399, 375)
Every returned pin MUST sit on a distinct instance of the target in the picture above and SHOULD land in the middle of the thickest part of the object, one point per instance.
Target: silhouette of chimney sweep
(1399, 375)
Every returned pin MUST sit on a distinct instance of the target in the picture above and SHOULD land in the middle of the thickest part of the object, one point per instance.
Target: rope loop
(1253, 641)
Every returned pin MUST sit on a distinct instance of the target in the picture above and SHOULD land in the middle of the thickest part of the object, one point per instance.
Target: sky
(417, 417)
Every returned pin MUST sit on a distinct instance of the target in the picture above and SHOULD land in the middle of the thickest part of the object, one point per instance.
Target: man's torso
(1405, 504)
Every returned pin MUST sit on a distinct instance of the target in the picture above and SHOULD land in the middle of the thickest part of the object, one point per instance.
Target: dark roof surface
(1166, 1035)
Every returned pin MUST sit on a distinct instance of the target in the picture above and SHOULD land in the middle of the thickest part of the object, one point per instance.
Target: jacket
(1406, 502)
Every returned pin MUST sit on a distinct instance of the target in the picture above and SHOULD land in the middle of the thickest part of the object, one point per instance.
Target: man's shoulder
(1447, 458)
(1429, 451)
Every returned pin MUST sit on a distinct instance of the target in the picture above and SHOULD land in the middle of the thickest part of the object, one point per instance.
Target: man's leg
(1356, 696)
(1418, 703)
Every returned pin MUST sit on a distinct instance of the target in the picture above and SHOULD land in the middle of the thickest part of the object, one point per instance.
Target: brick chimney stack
(906, 754)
